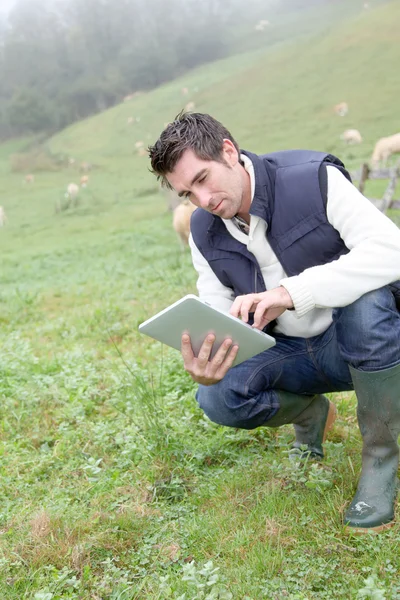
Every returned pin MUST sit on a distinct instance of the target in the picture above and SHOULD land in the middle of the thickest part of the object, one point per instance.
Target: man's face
(215, 186)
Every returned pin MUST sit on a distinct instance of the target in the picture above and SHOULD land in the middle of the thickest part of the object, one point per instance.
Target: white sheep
(384, 148)
(181, 221)
(3, 217)
(351, 136)
(72, 191)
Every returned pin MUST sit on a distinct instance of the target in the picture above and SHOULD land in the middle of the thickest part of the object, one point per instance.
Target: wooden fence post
(363, 177)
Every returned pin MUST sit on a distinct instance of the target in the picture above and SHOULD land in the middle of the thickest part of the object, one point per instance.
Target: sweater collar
(262, 203)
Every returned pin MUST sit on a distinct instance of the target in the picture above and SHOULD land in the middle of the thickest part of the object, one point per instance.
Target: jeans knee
(231, 409)
(368, 331)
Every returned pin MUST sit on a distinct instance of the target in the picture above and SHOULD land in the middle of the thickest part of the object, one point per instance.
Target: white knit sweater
(373, 261)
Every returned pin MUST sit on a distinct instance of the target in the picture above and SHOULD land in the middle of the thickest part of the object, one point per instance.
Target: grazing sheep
(189, 106)
(341, 109)
(351, 136)
(29, 178)
(384, 148)
(71, 198)
(84, 180)
(72, 191)
(130, 120)
(181, 221)
(139, 144)
(3, 217)
(185, 91)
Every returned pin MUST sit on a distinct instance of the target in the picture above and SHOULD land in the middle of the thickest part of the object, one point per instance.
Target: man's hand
(202, 369)
(266, 306)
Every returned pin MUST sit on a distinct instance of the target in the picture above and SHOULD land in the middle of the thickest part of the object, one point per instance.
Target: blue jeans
(365, 335)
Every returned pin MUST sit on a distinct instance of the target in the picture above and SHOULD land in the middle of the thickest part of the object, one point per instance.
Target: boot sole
(330, 419)
(364, 530)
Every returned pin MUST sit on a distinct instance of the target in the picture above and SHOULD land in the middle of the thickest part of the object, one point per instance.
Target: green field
(113, 485)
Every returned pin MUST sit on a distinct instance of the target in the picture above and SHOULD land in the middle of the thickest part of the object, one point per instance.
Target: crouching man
(286, 242)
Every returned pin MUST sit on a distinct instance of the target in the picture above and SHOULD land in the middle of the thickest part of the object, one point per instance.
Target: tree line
(63, 60)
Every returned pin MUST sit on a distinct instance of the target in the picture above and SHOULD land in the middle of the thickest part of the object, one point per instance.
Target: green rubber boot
(378, 412)
(312, 417)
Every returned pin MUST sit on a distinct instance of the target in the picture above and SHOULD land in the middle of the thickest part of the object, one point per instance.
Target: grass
(113, 484)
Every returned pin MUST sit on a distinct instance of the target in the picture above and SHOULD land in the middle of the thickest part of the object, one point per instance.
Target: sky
(6, 5)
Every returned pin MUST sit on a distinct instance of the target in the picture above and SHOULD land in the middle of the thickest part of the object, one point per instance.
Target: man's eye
(187, 195)
(202, 179)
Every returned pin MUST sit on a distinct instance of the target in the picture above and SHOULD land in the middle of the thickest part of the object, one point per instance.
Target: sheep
(351, 136)
(139, 144)
(185, 91)
(189, 106)
(72, 191)
(3, 217)
(84, 180)
(181, 221)
(71, 198)
(341, 109)
(130, 120)
(384, 148)
(29, 178)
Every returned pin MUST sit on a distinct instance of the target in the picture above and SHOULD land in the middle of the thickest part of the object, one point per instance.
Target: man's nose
(203, 198)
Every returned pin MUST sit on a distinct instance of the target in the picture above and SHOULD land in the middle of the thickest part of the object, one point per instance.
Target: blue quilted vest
(290, 195)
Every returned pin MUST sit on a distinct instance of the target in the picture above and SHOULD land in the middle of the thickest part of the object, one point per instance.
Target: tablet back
(197, 318)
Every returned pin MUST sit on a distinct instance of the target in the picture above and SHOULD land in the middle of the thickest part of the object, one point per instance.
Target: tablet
(197, 318)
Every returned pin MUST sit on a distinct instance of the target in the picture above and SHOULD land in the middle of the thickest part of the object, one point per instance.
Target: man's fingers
(235, 308)
(205, 350)
(186, 347)
(228, 362)
(259, 313)
(221, 352)
(246, 307)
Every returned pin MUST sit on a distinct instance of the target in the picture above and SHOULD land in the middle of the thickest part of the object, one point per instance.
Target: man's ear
(230, 153)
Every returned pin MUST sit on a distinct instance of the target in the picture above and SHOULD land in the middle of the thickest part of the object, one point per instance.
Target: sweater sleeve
(374, 257)
(210, 288)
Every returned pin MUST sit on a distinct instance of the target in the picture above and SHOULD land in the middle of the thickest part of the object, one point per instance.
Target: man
(286, 236)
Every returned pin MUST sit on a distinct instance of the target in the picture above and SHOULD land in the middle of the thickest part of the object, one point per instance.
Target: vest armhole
(323, 183)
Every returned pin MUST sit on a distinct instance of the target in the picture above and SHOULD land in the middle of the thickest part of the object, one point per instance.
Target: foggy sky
(6, 5)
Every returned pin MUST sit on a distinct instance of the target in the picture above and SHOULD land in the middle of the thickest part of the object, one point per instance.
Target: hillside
(271, 100)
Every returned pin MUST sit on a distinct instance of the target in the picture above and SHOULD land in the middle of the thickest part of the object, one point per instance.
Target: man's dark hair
(196, 131)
